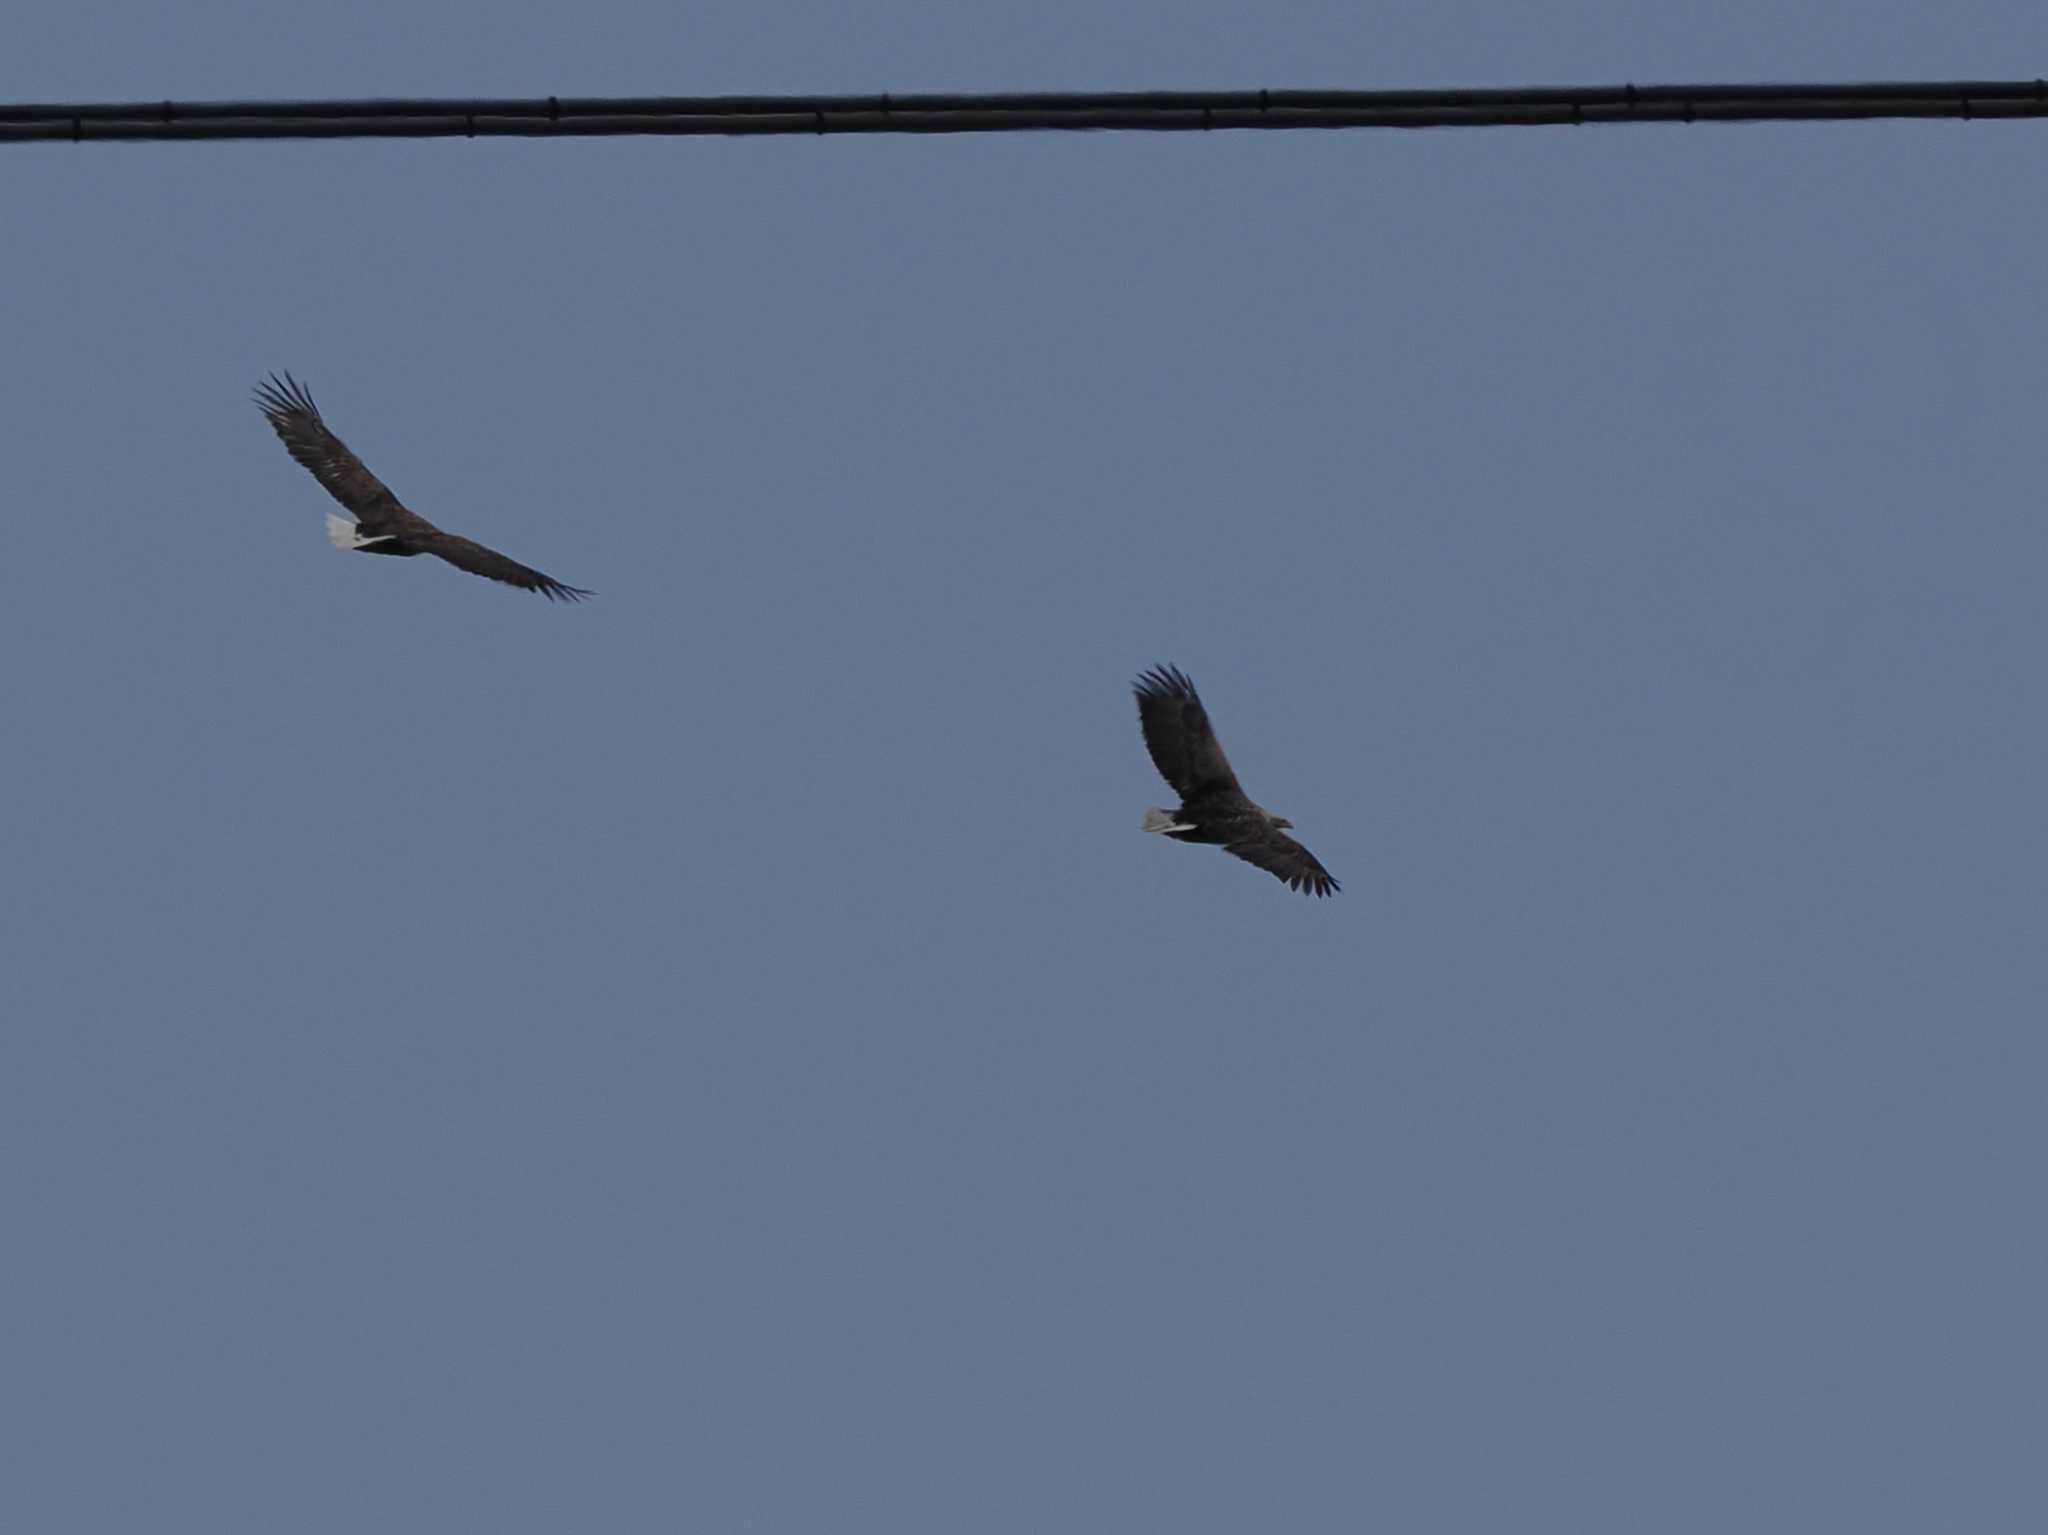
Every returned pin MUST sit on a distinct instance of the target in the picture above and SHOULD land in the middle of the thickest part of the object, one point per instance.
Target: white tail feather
(341, 532)
(1159, 820)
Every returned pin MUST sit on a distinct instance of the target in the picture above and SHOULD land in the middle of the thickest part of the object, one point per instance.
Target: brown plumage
(1213, 807)
(382, 524)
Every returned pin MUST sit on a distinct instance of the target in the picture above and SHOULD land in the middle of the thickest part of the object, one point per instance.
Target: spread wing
(1177, 734)
(296, 419)
(464, 554)
(1279, 854)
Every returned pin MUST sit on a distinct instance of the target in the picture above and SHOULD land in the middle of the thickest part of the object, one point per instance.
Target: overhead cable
(1127, 111)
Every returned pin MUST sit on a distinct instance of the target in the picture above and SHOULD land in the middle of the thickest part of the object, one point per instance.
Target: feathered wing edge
(1179, 736)
(288, 406)
(466, 554)
(1286, 860)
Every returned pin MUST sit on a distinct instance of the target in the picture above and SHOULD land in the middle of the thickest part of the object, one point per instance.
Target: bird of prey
(378, 522)
(1213, 808)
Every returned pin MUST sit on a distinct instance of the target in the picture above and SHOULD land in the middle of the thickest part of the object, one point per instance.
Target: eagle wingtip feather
(1165, 681)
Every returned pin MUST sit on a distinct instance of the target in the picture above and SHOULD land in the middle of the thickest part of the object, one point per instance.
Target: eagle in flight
(378, 522)
(1213, 808)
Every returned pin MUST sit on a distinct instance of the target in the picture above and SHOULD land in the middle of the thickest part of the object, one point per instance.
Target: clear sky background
(724, 1057)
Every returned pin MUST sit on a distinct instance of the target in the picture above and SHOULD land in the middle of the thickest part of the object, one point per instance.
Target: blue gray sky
(723, 1057)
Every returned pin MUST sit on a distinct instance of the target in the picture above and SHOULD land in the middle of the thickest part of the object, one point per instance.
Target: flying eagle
(378, 522)
(1213, 808)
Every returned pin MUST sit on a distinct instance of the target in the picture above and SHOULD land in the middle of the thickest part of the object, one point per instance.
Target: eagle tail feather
(1162, 821)
(343, 534)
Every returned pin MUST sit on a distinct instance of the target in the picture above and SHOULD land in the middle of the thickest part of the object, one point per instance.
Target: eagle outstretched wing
(1279, 854)
(466, 554)
(1177, 734)
(290, 410)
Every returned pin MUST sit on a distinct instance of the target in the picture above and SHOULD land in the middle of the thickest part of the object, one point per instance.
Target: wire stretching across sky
(1139, 111)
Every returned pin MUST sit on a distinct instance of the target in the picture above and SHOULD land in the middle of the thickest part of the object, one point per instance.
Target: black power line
(1146, 111)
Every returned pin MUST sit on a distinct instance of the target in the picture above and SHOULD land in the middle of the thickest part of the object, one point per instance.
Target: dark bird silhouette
(1213, 807)
(378, 522)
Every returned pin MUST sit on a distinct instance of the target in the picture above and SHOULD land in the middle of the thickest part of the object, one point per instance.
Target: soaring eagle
(378, 522)
(1213, 808)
